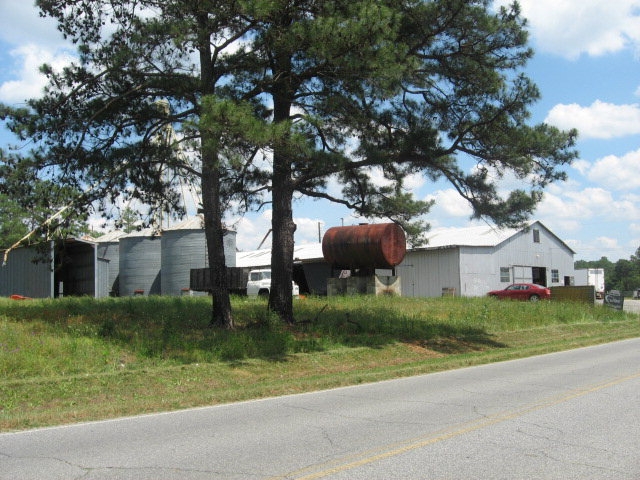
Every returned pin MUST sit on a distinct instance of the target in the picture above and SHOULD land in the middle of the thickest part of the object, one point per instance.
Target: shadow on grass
(177, 329)
(357, 328)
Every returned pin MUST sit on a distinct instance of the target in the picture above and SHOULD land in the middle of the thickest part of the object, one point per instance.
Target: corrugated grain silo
(184, 247)
(109, 249)
(140, 261)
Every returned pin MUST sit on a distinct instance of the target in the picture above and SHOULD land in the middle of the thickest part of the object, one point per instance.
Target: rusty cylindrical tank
(380, 245)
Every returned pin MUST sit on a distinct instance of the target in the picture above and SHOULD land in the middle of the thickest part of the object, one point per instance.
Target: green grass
(79, 359)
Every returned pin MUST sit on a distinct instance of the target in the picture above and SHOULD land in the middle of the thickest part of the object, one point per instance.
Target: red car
(523, 291)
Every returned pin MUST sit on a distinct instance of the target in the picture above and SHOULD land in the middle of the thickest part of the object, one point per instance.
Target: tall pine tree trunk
(283, 228)
(211, 194)
(214, 233)
(280, 296)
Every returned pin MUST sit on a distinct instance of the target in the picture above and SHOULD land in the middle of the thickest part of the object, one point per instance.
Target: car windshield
(255, 276)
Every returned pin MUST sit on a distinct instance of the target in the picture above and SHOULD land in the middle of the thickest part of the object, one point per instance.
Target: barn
(472, 261)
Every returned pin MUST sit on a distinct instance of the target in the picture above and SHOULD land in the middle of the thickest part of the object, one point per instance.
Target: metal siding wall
(473, 271)
(520, 253)
(478, 271)
(140, 260)
(103, 285)
(182, 250)
(111, 251)
(23, 277)
(426, 273)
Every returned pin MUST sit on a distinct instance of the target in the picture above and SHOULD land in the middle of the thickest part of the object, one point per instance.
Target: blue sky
(587, 66)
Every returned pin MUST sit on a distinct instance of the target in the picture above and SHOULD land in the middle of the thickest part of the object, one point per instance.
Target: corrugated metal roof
(112, 236)
(192, 223)
(479, 236)
(262, 257)
(145, 232)
(476, 236)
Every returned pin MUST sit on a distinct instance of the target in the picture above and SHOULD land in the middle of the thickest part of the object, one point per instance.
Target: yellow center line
(396, 449)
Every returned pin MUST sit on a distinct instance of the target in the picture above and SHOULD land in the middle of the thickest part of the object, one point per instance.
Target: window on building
(536, 235)
(555, 276)
(505, 274)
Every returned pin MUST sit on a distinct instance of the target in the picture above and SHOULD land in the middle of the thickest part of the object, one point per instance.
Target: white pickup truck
(259, 283)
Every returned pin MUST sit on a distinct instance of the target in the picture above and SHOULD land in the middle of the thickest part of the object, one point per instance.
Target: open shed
(65, 268)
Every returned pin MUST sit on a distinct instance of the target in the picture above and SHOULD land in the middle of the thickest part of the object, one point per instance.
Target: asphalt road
(570, 415)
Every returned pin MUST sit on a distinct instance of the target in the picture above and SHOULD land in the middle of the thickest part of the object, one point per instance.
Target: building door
(539, 275)
(522, 274)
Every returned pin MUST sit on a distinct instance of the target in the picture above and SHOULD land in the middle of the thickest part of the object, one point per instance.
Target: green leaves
(281, 96)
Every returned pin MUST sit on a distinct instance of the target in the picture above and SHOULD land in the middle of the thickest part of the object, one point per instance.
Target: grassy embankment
(79, 359)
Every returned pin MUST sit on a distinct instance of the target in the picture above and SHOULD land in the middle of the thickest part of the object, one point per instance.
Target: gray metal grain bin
(184, 248)
(109, 249)
(139, 263)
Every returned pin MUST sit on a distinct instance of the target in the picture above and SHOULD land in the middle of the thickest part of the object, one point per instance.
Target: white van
(259, 283)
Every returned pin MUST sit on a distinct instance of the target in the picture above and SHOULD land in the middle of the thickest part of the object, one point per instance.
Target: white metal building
(456, 261)
(472, 261)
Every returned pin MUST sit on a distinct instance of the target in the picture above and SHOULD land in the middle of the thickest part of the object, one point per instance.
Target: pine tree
(282, 97)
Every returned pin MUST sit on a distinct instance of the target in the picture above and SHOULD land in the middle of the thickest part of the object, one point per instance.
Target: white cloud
(592, 198)
(608, 243)
(29, 82)
(308, 229)
(581, 166)
(30, 41)
(591, 203)
(414, 181)
(251, 229)
(617, 173)
(564, 209)
(449, 203)
(570, 28)
(599, 120)
(22, 24)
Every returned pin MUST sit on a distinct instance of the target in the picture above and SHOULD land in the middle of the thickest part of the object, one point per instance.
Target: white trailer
(591, 276)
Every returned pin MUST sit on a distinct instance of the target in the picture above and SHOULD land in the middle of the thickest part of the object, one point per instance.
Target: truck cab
(259, 283)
